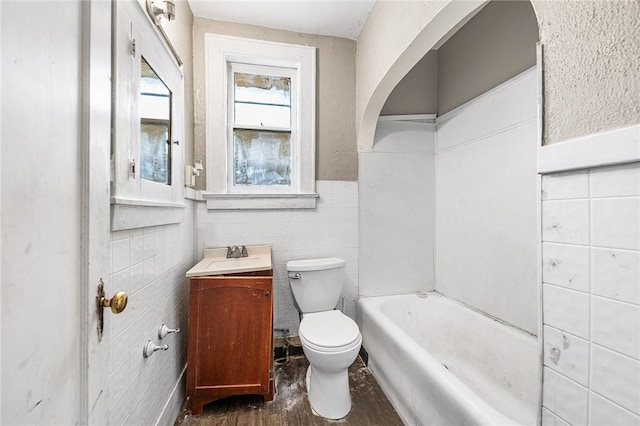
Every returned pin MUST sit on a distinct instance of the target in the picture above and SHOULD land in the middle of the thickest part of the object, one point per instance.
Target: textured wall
(417, 92)
(591, 66)
(475, 59)
(390, 28)
(496, 44)
(395, 37)
(336, 153)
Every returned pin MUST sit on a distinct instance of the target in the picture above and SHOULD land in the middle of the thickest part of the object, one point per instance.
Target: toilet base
(328, 392)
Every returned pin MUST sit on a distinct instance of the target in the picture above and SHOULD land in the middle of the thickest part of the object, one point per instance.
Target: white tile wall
(550, 419)
(615, 181)
(567, 354)
(561, 186)
(616, 377)
(604, 412)
(565, 398)
(566, 265)
(150, 265)
(616, 325)
(615, 223)
(591, 296)
(566, 310)
(329, 230)
(565, 221)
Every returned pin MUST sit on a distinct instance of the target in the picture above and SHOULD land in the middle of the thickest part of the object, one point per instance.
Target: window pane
(262, 89)
(262, 115)
(262, 100)
(155, 126)
(154, 151)
(261, 158)
(154, 107)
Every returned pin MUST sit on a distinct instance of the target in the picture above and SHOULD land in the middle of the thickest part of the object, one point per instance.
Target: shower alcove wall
(449, 192)
(448, 197)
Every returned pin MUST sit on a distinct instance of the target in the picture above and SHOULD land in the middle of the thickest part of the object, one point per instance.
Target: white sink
(215, 262)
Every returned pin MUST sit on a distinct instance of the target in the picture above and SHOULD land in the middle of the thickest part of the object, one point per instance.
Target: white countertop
(215, 262)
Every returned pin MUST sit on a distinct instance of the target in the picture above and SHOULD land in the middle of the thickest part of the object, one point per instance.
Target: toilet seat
(329, 331)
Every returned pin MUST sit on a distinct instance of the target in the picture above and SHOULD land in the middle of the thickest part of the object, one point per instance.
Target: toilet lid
(328, 330)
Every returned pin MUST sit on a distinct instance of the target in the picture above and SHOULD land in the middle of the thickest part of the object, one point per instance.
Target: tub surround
(486, 203)
(396, 191)
(458, 186)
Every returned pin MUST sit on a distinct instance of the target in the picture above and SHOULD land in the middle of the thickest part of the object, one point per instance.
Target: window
(260, 124)
(147, 114)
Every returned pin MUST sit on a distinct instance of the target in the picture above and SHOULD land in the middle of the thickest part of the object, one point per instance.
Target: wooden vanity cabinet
(230, 349)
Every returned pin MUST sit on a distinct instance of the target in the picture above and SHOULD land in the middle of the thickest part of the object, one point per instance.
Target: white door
(55, 119)
(96, 205)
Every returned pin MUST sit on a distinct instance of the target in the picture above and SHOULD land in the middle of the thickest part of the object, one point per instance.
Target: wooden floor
(291, 406)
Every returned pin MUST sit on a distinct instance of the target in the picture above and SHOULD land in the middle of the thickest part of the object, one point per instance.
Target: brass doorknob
(117, 303)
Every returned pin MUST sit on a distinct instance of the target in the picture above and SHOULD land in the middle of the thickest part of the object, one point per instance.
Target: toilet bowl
(330, 340)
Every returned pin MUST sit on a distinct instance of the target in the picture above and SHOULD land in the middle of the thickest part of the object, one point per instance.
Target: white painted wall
(329, 230)
(149, 264)
(41, 212)
(486, 186)
(396, 210)
(591, 287)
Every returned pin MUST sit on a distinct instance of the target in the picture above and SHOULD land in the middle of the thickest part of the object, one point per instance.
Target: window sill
(259, 201)
(130, 214)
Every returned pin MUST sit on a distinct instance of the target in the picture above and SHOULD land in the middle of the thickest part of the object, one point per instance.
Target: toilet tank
(316, 284)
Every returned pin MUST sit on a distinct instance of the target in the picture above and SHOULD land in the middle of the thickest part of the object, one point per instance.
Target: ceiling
(342, 18)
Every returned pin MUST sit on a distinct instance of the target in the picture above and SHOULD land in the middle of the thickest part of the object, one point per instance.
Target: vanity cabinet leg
(196, 406)
(270, 396)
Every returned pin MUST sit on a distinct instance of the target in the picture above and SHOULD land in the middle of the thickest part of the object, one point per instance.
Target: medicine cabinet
(148, 107)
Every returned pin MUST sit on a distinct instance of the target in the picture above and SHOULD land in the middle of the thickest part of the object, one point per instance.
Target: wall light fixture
(168, 10)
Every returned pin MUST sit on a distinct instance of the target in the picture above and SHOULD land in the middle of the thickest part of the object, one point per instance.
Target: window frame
(293, 128)
(222, 53)
(138, 202)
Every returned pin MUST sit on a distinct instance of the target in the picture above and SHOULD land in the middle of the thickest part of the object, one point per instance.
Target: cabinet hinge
(132, 169)
(133, 47)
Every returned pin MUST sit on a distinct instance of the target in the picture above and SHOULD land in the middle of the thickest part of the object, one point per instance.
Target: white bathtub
(441, 363)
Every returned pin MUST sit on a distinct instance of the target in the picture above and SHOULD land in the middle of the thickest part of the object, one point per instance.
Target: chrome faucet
(234, 252)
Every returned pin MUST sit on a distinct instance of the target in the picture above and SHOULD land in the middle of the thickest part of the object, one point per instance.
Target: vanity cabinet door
(230, 338)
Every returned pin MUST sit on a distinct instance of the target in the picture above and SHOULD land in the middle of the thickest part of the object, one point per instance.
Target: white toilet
(330, 340)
